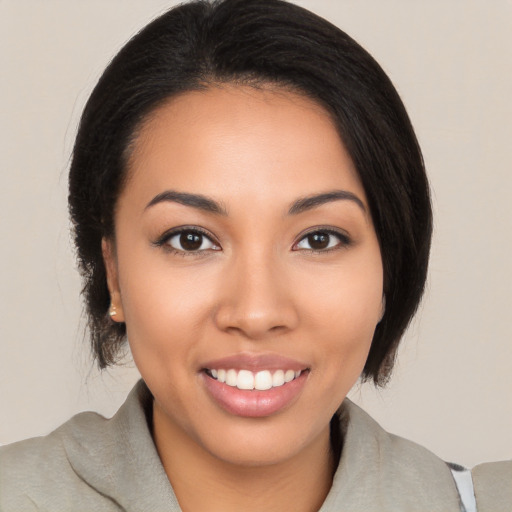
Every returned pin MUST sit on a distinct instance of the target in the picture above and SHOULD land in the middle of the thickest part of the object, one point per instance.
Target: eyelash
(163, 242)
(343, 240)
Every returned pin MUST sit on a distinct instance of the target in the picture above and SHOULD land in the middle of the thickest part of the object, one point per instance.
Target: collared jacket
(95, 464)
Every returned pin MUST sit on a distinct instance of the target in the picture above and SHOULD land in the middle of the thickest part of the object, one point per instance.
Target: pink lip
(253, 403)
(255, 363)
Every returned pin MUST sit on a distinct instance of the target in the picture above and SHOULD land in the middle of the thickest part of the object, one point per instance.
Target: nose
(257, 300)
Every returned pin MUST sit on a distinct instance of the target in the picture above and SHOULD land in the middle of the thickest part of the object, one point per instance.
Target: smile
(248, 380)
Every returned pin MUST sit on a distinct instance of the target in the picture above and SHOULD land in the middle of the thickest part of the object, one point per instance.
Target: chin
(263, 442)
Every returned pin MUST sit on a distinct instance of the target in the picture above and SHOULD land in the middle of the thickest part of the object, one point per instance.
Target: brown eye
(190, 240)
(322, 241)
(319, 241)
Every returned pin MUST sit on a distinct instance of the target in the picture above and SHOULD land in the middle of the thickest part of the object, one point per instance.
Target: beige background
(451, 62)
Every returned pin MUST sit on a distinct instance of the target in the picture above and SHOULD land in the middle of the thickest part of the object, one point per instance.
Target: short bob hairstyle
(255, 43)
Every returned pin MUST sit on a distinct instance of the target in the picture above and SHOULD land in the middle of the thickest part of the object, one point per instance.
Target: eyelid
(167, 235)
(342, 235)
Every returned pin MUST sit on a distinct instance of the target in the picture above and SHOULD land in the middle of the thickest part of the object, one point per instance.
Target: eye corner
(326, 239)
(200, 241)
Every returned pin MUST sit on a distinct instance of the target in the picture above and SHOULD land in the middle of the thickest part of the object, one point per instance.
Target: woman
(251, 213)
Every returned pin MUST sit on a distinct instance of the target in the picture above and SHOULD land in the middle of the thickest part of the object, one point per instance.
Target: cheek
(347, 297)
(163, 305)
(344, 306)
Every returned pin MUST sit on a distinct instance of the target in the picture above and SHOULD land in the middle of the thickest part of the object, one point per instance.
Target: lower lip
(253, 403)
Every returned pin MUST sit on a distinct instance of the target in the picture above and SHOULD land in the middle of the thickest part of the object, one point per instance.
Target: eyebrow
(206, 204)
(309, 202)
(194, 200)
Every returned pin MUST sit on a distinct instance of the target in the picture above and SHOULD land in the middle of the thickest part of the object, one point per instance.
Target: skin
(256, 288)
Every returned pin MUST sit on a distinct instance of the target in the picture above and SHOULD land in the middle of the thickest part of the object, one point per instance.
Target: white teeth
(263, 380)
(278, 378)
(260, 381)
(231, 377)
(245, 380)
(289, 375)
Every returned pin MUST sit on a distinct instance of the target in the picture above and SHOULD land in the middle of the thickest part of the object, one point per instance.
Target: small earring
(112, 312)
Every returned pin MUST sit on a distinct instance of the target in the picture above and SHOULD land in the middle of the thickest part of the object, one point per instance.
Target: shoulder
(89, 463)
(35, 471)
(382, 472)
(492, 484)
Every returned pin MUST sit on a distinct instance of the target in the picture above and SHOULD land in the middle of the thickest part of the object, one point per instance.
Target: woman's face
(245, 253)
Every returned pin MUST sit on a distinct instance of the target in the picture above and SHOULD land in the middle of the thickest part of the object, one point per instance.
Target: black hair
(203, 43)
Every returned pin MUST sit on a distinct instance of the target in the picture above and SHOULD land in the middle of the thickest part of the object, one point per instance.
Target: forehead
(244, 141)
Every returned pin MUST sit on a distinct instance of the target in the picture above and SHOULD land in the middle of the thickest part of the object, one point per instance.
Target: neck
(303, 480)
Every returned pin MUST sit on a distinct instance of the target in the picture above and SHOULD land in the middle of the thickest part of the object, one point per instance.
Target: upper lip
(255, 362)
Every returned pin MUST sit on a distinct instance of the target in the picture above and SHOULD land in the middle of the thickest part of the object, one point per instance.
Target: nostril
(254, 311)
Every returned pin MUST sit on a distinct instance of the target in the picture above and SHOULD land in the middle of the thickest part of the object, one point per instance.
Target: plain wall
(451, 62)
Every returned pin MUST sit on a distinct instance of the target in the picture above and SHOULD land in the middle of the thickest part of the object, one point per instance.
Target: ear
(110, 261)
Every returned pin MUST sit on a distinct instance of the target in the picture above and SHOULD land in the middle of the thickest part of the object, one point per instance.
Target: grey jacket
(95, 464)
